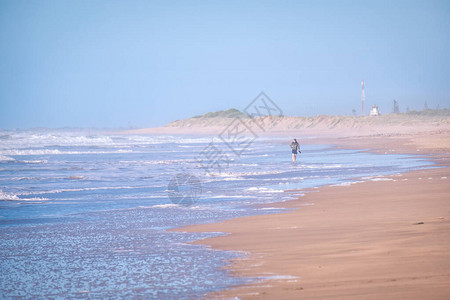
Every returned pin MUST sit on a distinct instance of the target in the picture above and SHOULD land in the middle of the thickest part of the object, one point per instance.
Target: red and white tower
(363, 97)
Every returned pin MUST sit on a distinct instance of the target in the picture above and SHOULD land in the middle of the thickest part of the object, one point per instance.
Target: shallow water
(86, 214)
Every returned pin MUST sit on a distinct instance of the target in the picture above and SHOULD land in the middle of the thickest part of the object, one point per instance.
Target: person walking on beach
(295, 149)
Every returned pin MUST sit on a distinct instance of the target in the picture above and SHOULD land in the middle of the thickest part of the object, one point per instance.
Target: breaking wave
(13, 197)
(4, 158)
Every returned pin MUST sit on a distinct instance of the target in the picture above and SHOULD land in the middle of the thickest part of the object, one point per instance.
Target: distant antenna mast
(363, 97)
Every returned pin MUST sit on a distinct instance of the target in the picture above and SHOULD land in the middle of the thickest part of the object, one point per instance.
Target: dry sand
(371, 240)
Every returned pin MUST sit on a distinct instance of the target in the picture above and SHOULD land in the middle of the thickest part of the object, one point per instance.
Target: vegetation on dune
(229, 113)
(233, 113)
(429, 112)
(409, 118)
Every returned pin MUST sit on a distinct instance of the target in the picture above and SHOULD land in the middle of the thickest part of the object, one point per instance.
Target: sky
(146, 63)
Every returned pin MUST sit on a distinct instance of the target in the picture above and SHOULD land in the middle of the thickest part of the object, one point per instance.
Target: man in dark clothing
(295, 149)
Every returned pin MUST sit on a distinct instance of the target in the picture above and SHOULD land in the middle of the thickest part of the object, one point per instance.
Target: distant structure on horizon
(363, 97)
(374, 112)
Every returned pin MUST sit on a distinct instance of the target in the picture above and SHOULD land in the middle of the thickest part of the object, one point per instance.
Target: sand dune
(213, 123)
(324, 122)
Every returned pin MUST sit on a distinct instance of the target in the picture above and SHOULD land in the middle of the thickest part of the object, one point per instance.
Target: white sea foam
(382, 179)
(279, 277)
(242, 174)
(156, 162)
(227, 196)
(248, 165)
(34, 199)
(319, 166)
(347, 183)
(25, 178)
(271, 208)
(43, 161)
(4, 158)
(13, 197)
(161, 139)
(20, 152)
(35, 139)
(31, 152)
(8, 196)
(263, 190)
(74, 177)
(233, 178)
(197, 207)
(57, 191)
(169, 205)
(125, 209)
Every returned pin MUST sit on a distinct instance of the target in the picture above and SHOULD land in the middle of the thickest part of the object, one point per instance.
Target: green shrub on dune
(429, 112)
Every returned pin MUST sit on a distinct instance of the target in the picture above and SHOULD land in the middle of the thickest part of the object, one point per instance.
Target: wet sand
(386, 239)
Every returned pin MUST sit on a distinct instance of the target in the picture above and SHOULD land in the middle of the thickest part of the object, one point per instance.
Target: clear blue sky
(146, 63)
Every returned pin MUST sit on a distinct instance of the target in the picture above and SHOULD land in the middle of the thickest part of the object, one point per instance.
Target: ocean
(86, 214)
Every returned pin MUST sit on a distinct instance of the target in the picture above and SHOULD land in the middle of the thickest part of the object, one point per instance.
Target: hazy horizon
(119, 64)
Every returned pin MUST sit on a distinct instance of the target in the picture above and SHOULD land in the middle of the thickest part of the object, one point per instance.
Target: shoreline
(325, 249)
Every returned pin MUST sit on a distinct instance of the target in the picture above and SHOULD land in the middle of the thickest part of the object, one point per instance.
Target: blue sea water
(85, 214)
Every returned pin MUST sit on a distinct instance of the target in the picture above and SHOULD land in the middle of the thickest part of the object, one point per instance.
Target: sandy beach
(146, 149)
(383, 238)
